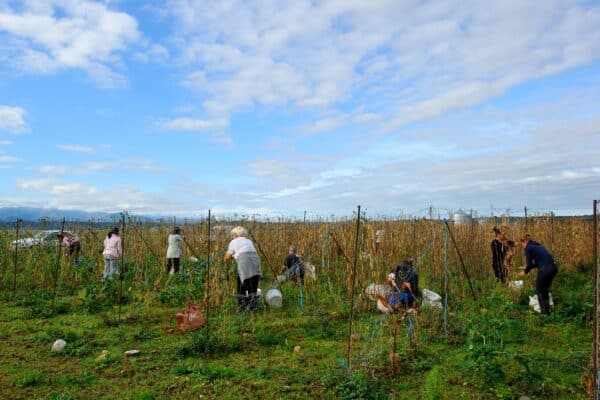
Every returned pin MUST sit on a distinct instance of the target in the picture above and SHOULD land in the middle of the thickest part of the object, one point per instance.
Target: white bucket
(274, 298)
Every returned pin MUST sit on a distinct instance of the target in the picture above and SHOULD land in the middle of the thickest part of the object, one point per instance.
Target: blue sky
(174, 107)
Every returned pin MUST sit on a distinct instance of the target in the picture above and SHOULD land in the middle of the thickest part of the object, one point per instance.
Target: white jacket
(174, 249)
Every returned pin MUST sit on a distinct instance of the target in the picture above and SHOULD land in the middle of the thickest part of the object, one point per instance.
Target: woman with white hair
(248, 266)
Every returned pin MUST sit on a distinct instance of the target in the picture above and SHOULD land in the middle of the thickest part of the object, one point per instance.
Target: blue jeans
(404, 299)
(110, 267)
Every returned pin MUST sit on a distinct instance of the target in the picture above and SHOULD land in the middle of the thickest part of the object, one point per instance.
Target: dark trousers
(543, 282)
(173, 262)
(247, 296)
(73, 251)
(500, 272)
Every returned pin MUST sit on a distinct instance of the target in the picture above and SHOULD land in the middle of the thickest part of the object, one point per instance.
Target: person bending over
(292, 266)
(537, 256)
(248, 267)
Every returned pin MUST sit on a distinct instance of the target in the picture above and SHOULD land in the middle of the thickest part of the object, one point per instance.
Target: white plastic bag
(515, 285)
(535, 304)
(310, 272)
(431, 299)
(374, 290)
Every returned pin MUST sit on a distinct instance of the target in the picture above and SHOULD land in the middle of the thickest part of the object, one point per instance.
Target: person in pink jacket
(112, 252)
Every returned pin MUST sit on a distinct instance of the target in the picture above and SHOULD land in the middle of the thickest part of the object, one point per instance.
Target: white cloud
(468, 160)
(184, 109)
(76, 148)
(12, 120)
(40, 185)
(99, 166)
(5, 142)
(273, 169)
(192, 125)
(57, 188)
(139, 164)
(53, 170)
(153, 53)
(398, 62)
(212, 129)
(9, 159)
(51, 192)
(327, 124)
(44, 37)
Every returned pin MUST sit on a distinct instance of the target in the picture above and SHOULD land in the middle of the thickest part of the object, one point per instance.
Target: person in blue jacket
(537, 256)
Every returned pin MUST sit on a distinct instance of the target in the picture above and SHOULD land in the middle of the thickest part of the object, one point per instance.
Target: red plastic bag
(190, 319)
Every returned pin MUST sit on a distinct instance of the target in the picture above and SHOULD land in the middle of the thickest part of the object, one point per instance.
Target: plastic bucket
(274, 298)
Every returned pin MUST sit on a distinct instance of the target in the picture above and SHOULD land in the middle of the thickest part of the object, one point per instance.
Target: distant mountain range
(35, 214)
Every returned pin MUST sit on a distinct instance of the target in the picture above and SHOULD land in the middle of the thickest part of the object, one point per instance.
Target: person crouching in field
(292, 266)
(405, 286)
(248, 267)
(112, 252)
(72, 245)
(537, 256)
(174, 251)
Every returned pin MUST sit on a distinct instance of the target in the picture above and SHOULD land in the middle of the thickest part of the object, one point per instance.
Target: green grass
(495, 348)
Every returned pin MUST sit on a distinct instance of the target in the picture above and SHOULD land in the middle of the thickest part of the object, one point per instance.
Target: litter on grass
(58, 345)
(102, 355)
(190, 319)
(431, 299)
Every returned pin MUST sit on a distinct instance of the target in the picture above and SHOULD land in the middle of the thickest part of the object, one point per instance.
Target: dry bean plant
(326, 243)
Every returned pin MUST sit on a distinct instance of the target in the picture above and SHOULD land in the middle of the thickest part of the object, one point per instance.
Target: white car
(43, 238)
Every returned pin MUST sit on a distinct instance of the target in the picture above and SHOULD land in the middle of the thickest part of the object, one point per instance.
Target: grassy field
(495, 348)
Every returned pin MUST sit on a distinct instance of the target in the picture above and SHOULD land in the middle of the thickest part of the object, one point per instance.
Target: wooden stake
(57, 265)
(351, 318)
(263, 254)
(552, 231)
(207, 305)
(122, 270)
(14, 285)
(462, 263)
(596, 291)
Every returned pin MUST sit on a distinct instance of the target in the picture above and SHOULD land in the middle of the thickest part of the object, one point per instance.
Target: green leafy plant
(33, 378)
